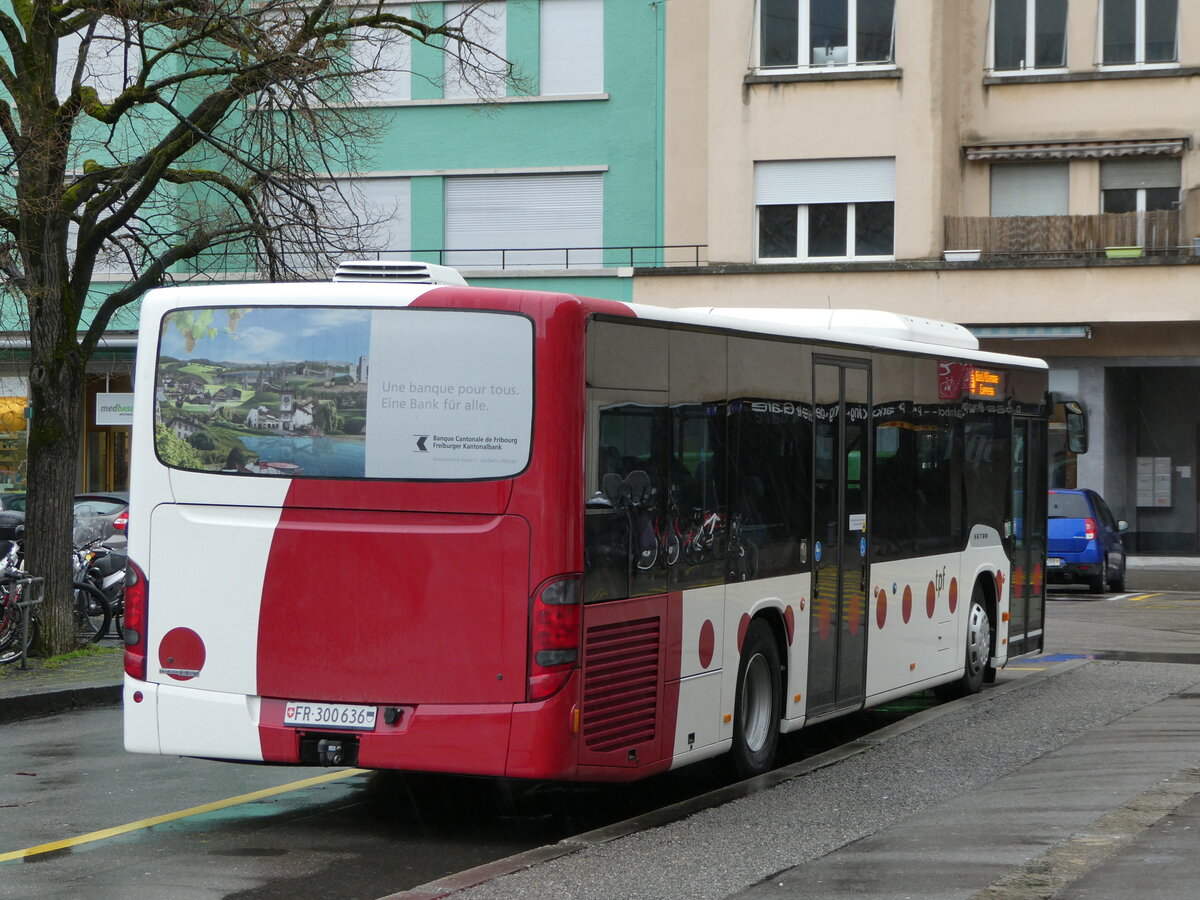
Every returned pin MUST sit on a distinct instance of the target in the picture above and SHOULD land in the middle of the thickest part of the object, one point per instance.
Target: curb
(29, 706)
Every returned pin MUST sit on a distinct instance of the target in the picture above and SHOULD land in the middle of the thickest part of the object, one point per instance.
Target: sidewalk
(44, 688)
(1047, 786)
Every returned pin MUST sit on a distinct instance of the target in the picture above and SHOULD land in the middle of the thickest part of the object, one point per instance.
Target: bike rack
(37, 593)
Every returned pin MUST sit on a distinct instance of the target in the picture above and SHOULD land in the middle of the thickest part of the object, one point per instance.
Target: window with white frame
(476, 71)
(572, 47)
(522, 221)
(113, 58)
(1139, 32)
(386, 56)
(1029, 34)
(1139, 185)
(803, 33)
(826, 208)
(1029, 189)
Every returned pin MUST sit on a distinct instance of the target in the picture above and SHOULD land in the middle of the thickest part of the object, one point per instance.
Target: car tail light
(121, 522)
(1089, 529)
(554, 635)
(137, 595)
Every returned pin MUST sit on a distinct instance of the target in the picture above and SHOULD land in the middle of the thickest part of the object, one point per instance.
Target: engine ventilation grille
(621, 682)
(392, 270)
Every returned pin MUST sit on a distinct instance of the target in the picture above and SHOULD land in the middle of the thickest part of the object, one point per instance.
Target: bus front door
(837, 622)
(1027, 536)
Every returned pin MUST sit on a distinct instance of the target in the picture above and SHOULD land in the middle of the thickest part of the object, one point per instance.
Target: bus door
(1027, 533)
(837, 621)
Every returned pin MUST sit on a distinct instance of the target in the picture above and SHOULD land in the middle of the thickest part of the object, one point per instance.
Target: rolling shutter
(1030, 189)
(572, 47)
(516, 212)
(808, 181)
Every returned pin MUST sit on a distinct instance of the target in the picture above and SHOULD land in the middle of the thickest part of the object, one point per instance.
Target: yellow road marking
(1143, 597)
(181, 814)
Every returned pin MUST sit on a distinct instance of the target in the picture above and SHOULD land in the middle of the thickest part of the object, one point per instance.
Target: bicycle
(93, 612)
(18, 621)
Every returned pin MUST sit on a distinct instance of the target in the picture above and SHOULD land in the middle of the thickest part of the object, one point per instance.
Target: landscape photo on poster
(264, 390)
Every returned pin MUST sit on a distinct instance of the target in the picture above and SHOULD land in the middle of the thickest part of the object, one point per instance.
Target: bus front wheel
(978, 651)
(756, 705)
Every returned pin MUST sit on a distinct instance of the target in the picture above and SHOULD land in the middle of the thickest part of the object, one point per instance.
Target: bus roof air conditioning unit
(392, 270)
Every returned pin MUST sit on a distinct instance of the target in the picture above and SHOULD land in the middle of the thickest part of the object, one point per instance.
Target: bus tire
(978, 651)
(757, 702)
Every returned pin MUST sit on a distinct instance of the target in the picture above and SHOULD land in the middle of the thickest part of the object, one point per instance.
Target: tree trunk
(56, 430)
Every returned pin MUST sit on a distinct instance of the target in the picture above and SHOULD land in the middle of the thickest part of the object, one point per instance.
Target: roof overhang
(1077, 149)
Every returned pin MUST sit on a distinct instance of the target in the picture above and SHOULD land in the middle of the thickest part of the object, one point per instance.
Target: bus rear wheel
(757, 702)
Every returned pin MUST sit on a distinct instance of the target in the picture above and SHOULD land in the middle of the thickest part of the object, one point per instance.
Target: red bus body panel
(398, 603)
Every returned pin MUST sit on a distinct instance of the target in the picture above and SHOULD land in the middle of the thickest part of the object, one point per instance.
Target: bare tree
(158, 139)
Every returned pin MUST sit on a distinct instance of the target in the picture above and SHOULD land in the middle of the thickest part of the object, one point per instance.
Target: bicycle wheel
(92, 613)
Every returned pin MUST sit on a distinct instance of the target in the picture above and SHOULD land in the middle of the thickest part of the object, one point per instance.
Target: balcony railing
(1157, 232)
(505, 259)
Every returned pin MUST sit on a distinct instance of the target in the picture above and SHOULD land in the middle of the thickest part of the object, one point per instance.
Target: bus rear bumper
(523, 740)
(172, 720)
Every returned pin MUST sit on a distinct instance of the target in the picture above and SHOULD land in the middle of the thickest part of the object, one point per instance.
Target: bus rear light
(554, 635)
(1089, 529)
(137, 591)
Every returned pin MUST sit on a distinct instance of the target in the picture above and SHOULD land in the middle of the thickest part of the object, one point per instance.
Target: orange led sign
(984, 385)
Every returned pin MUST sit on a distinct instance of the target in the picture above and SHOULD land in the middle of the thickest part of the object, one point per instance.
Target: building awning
(1030, 332)
(1171, 146)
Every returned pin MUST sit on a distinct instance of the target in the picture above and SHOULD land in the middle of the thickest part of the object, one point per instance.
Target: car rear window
(98, 507)
(1069, 506)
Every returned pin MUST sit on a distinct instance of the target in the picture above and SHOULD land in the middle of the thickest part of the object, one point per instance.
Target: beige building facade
(1026, 167)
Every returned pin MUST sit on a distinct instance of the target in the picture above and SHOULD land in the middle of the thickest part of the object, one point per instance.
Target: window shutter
(385, 50)
(572, 47)
(513, 212)
(824, 181)
(1029, 189)
(389, 200)
(485, 24)
(1146, 172)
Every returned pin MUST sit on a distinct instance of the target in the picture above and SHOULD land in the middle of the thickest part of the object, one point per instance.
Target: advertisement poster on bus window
(332, 392)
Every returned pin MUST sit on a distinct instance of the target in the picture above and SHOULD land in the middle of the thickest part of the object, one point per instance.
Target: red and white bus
(432, 527)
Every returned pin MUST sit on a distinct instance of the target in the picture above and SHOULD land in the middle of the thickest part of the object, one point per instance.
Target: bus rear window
(342, 392)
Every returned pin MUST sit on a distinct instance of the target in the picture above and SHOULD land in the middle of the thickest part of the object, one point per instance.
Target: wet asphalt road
(362, 836)
(369, 834)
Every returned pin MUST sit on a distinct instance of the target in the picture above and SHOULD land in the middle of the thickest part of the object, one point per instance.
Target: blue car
(1084, 542)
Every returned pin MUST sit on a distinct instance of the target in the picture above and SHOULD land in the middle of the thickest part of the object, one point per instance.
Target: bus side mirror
(1077, 426)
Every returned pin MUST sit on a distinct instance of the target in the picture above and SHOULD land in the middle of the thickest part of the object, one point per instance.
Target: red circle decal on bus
(854, 613)
(824, 618)
(181, 654)
(930, 600)
(953, 595)
(708, 641)
(906, 604)
(743, 625)
(880, 607)
(789, 621)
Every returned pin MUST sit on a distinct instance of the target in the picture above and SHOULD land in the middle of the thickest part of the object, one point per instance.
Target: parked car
(1084, 542)
(12, 500)
(103, 514)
